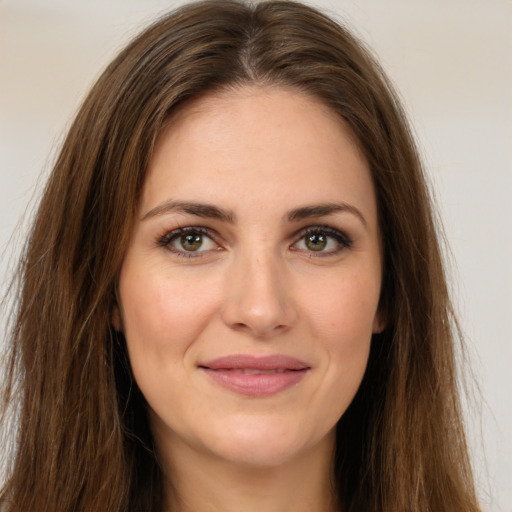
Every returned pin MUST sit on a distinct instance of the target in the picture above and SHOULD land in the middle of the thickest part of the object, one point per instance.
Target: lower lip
(259, 384)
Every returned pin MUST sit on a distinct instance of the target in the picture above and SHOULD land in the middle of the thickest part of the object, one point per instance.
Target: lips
(255, 376)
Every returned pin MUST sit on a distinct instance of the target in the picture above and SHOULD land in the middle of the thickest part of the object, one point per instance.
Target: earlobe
(116, 319)
(379, 322)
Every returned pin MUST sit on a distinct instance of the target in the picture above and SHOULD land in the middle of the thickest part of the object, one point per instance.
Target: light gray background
(451, 61)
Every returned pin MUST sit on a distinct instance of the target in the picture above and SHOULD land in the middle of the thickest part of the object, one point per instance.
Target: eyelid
(344, 241)
(169, 236)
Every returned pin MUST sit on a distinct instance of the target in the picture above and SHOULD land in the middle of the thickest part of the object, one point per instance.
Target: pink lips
(255, 376)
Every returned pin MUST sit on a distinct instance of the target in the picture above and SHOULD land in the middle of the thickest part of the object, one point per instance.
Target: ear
(115, 319)
(379, 321)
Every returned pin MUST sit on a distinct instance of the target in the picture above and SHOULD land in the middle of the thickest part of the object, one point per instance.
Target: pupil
(191, 242)
(316, 242)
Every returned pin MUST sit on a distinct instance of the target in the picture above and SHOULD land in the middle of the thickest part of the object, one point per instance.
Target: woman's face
(249, 291)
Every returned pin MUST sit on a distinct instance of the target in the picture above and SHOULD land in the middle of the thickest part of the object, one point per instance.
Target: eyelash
(169, 237)
(344, 241)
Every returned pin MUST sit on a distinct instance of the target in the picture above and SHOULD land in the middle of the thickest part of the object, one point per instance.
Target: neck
(202, 482)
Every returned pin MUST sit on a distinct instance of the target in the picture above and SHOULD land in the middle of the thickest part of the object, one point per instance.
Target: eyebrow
(214, 212)
(322, 210)
(198, 209)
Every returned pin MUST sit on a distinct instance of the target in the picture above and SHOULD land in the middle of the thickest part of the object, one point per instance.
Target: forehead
(256, 143)
(258, 101)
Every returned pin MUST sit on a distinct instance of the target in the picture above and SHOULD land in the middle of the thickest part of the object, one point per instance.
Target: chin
(260, 443)
(258, 455)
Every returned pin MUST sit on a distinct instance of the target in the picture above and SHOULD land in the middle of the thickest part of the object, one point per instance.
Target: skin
(254, 287)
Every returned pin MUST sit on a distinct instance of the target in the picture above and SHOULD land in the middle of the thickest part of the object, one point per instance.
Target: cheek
(158, 309)
(342, 314)
(342, 308)
(163, 317)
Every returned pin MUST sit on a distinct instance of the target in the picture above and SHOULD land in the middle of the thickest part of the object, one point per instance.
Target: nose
(258, 299)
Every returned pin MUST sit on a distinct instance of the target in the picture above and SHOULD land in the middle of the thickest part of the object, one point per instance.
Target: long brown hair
(82, 438)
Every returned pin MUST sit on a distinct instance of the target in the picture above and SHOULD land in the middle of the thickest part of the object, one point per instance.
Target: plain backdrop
(451, 61)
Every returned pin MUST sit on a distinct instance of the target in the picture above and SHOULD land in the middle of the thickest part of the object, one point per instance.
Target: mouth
(255, 376)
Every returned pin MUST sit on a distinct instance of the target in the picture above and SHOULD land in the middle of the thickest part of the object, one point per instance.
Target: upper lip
(249, 362)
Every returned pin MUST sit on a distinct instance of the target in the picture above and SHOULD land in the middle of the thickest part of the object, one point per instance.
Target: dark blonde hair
(83, 441)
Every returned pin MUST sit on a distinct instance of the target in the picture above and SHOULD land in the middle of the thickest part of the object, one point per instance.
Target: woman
(233, 296)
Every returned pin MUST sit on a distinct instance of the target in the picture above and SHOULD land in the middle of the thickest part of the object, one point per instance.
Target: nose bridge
(257, 294)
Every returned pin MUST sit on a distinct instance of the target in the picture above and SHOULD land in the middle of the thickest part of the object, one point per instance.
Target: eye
(186, 241)
(322, 240)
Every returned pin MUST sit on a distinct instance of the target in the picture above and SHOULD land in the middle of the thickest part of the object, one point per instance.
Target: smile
(249, 371)
(255, 376)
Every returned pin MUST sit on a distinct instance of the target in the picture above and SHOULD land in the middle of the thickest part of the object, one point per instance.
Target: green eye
(323, 240)
(191, 242)
(316, 242)
(186, 241)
